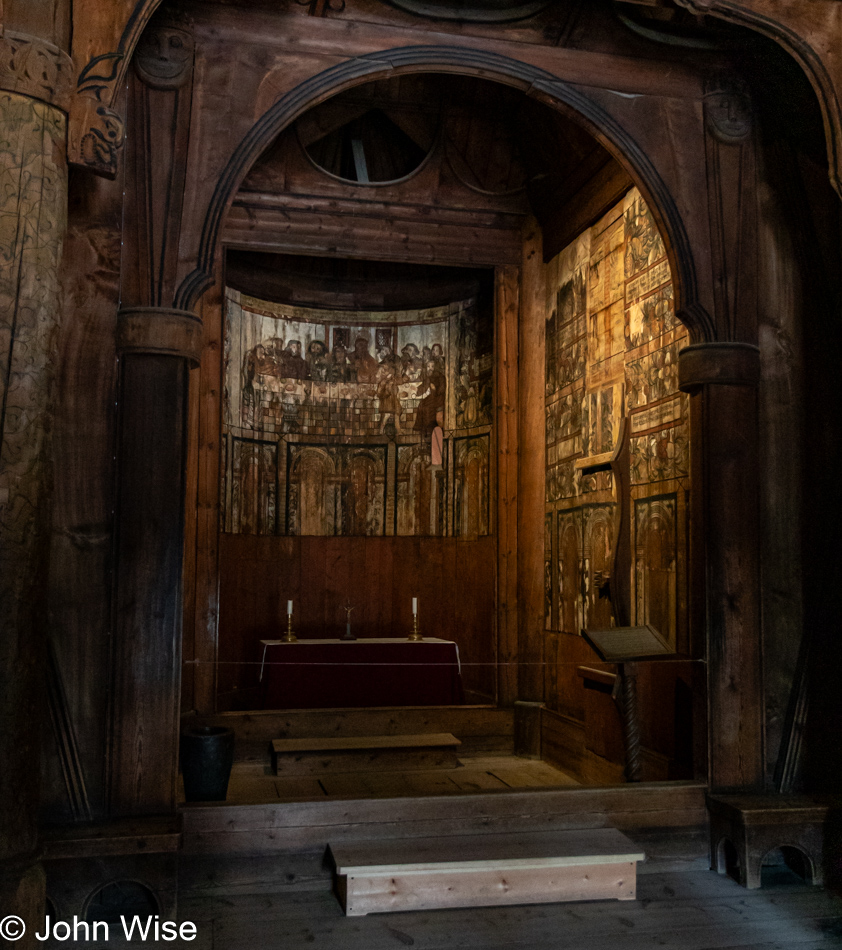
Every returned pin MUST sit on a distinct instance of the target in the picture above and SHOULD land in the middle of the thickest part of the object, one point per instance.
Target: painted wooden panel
(471, 496)
(612, 342)
(352, 424)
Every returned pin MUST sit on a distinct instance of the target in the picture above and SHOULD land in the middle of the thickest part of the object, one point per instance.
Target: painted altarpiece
(349, 424)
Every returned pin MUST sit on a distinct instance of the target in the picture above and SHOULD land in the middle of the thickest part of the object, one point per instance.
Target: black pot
(207, 754)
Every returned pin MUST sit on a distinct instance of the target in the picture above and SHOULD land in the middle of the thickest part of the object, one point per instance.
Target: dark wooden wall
(453, 579)
(582, 728)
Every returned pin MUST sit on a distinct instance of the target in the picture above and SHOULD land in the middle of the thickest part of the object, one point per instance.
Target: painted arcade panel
(421, 491)
(372, 423)
(471, 495)
(656, 564)
(336, 489)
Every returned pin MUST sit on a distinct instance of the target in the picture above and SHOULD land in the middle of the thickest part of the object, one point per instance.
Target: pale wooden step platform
(484, 870)
(364, 753)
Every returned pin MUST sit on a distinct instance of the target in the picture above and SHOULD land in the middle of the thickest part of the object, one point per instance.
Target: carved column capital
(32, 67)
(723, 364)
(160, 330)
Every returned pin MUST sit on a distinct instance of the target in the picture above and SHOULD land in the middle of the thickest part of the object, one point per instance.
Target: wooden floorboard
(253, 781)
(696, 910)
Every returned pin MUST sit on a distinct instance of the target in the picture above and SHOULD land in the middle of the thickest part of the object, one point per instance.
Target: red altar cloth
(324, 674)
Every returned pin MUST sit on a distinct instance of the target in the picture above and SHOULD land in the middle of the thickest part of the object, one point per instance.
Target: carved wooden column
(156, 348)
(723, 379)
(34, 86)
(506, 343)
(530, 495)
(531, 472)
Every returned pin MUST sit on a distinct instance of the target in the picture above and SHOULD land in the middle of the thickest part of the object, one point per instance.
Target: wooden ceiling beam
(565, 222)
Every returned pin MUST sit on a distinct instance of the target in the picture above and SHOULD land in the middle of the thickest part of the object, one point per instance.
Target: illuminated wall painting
(329, 420)
(612, 342)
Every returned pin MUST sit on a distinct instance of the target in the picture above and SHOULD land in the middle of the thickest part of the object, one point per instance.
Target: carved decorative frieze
(31, 67)
(164, 57)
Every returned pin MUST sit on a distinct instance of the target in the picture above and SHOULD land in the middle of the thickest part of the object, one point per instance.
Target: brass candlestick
(289, 636)
(348, 634)
(415, 636)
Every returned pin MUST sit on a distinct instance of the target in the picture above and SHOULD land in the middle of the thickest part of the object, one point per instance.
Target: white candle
(414, 605)
(289, 608)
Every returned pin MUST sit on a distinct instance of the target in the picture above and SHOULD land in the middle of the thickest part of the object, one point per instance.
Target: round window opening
(371, 148)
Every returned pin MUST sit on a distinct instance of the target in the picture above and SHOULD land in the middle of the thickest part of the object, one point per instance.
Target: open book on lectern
(625, 644)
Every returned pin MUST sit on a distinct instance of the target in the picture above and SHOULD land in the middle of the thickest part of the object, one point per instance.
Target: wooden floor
(255, 783)
(676, 909)
(285, 901)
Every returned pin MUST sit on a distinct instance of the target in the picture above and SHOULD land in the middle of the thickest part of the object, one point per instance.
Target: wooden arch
(531, 80)
(104, 44)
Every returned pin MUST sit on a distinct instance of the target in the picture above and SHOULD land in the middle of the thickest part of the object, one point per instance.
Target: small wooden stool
(758, 824)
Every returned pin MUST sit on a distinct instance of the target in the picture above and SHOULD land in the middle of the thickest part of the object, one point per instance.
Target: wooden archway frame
(104, 46)
(533, 81)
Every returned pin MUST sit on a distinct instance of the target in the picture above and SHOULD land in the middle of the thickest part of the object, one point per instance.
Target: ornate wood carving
(160, 95)
(104, 39)
(810, 33)
(728, 108)
(33, 201)
(32, 67)
(164, 58)
(96, 132)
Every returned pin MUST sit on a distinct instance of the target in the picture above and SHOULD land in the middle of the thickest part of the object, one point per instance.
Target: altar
(323, 674)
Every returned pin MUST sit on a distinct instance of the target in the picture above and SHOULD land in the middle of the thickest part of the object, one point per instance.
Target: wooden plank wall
(581, 729)
(453, 579)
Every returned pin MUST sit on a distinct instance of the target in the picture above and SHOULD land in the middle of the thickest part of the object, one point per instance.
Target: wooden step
(480, 728)
(220, 828)
(484, 870)
(365, 753)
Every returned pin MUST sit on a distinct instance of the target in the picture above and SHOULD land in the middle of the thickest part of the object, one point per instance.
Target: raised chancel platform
(484, 870)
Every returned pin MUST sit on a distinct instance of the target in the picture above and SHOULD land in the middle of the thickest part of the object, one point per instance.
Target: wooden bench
(484, 870)
(365, 754)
